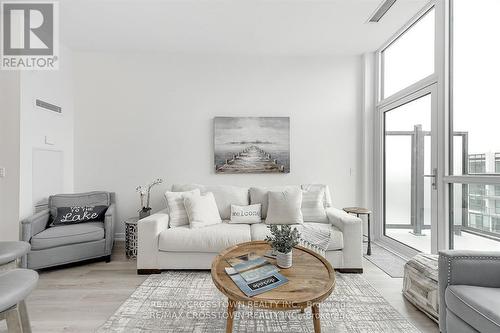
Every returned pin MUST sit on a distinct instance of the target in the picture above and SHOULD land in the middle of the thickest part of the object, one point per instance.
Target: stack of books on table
(253, 274)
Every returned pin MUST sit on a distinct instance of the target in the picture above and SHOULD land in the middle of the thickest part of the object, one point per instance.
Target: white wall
(55, 87)
(139, 117)
(9, 154)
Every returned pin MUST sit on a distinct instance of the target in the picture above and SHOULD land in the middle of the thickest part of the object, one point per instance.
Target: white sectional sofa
(163, 248)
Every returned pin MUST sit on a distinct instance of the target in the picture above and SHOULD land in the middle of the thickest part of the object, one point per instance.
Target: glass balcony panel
(475, 217)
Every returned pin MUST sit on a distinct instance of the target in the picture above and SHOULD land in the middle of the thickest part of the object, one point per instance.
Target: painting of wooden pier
(252, 144)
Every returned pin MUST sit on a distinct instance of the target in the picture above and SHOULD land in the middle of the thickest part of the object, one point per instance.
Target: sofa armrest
(352, 231)
(472, 268)
(109, 228)
(34, 224)
(149, 229)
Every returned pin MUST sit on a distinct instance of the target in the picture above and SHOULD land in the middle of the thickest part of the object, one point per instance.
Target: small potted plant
(283, 238)
(145, 193)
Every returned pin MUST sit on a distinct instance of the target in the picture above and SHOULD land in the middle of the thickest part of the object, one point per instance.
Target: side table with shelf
(362, 211)
(131, 237)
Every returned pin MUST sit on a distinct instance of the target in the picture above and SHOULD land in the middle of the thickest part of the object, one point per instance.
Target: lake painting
(252, 144)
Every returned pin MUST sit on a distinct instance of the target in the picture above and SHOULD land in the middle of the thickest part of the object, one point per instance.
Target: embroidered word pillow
(79, 214)
(246, 214)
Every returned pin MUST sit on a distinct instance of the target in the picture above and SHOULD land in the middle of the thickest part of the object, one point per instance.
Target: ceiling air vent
(47, 106)
(381, 10)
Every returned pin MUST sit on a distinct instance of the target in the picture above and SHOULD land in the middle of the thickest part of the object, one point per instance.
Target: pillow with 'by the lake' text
(79, 214)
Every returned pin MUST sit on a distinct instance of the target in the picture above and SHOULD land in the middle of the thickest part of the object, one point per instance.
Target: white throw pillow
(225, 195)
(327, 200)
(176, 210)
(246, 214)
(313, 209)
(284, 207)
(259, 195)
(201, 210)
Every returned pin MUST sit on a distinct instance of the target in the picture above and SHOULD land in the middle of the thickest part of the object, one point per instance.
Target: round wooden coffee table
(311, 280)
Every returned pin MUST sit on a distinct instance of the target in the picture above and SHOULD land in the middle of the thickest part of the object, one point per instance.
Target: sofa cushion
(225, 195)
(68, 234)
(211, 239)
(260, 231)
(259, 195)
(477, 306)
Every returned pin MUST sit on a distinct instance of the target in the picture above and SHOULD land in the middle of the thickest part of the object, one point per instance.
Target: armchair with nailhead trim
(469, 291)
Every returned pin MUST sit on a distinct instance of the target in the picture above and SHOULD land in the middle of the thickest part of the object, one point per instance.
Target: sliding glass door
(410, 164)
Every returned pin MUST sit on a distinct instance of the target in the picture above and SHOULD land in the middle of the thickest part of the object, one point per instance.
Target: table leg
(303, 310)
(316, 322)
(369, 248)
(230, 316)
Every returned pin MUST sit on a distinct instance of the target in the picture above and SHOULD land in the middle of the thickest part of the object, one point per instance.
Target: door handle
(434, 177)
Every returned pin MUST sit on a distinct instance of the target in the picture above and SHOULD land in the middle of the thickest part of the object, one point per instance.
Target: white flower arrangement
(145, 193)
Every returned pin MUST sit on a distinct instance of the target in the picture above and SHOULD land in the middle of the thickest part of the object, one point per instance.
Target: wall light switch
(49, 141)
(2, 172)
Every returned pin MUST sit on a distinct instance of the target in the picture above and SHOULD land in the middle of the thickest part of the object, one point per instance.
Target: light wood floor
(81, 298)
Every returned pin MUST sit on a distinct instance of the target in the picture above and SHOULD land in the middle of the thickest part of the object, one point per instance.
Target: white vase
(284, 260)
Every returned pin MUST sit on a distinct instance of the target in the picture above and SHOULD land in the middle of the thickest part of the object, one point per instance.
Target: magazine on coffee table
(258, 286)
(243, 258)
(259, 272)
(253, 274)
(245, 262)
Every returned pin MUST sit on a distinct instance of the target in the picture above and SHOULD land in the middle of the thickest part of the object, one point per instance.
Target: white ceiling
(255, 27)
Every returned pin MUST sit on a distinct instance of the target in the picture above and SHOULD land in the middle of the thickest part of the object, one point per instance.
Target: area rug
(387, 261)
(185, 301)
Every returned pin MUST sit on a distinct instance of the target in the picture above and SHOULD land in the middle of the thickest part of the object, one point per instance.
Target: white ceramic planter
(284, 260)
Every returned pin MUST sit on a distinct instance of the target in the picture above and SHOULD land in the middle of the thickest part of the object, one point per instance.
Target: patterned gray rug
(184, 301)
(386, 260)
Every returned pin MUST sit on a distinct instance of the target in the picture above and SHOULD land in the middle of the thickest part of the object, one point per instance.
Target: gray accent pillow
(285, 207)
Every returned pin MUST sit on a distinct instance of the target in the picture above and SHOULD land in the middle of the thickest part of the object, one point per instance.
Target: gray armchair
(70, 243)
(469, 292)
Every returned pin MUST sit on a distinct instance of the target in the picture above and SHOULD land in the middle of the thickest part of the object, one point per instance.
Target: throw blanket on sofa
(316, 240)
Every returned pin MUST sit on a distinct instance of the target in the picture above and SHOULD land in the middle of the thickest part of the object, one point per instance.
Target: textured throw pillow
(246, 214)
(327, 200)
(259, 195)
(79, 214)
(201, 210)
(284, 207)
(313, 209)
(176, 210)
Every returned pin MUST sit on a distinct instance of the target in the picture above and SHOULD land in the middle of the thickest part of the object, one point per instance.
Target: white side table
(131, 237)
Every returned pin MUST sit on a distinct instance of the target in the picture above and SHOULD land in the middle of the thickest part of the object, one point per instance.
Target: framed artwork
(252, 144)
